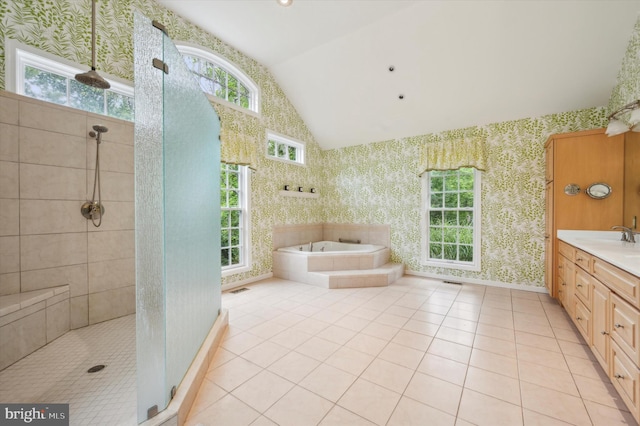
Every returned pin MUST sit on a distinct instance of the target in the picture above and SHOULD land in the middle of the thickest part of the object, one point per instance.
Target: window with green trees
(452, 218)
(285, 149)
(41, 77)
(234, 216)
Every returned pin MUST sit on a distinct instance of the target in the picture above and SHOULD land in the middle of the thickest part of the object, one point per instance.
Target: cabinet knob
(618, 376)
(564, 283)
(618, 325)
(579, 259)
(604, 332)
(579, 319)
(559, 266)
(578, 285)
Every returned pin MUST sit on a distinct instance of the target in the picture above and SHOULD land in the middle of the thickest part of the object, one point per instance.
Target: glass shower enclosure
(177, 169)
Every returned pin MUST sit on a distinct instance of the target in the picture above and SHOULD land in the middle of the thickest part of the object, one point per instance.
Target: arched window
(220, 78)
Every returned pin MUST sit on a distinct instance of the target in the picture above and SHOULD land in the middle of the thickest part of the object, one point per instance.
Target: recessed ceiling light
(284, 3)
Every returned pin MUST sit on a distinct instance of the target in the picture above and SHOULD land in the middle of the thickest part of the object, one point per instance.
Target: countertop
(607, 246)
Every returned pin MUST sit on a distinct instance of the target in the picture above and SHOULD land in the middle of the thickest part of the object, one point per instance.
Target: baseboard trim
(477, 281)
(250, 280)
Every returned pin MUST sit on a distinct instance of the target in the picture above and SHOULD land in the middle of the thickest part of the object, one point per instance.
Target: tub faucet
(627, 233)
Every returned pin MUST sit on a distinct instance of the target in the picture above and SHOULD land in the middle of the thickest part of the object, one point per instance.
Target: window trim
(476, 265)
(286, 140)
(245, 193)
(186, 48)
(18, 55)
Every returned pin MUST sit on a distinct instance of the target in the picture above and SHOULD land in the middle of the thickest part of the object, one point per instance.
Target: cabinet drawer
(582, 318)
(583, 287)
(624, 330)
(566, 250)
(625, 378)
(622, 282)
(583, 260)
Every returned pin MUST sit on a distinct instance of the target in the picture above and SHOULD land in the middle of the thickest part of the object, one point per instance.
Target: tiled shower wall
(47, 164)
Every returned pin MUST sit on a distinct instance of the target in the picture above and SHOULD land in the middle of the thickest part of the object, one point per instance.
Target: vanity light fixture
(616, 126)
(285, 3)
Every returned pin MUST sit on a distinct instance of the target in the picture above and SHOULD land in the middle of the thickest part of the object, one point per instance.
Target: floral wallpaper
(379, 183)
(63, 28)
(376, 183)
(627, 88)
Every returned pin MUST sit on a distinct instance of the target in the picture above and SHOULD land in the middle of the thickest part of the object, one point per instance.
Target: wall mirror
(598, 190)
(572, 189)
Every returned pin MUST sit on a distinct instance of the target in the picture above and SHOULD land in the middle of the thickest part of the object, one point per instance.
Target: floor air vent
(239, 290)
(452, 282)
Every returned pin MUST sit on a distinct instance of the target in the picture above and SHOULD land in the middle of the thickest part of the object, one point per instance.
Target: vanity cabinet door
(625, 378)
(582, 318)
(601, 326)
(583, 287)
(625, 320)
(570, 287)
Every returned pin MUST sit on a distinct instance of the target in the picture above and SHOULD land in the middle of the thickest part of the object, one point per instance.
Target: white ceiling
(457, 63)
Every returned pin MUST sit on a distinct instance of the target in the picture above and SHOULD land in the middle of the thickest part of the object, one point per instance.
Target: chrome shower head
(99, 130)
(93, 79)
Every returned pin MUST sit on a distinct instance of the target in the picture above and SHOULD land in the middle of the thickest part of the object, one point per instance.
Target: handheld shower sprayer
(93, 209)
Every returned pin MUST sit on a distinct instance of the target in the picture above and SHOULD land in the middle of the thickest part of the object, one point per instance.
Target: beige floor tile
(328, 316)
(381, 331)
(227, 411)
(601, 415)
(367, 344)
(289, 319)
(489, 361)
(401, 311)
(263, 421)
(433, 307)
(552, 378)
(455, 335)
(450, 350)
(298, 407)
(444, 396)
(429, 317)
(350, 360)
(391, 320)
(336, 334)
(317, 348)
(262, 390)
(371, 401)
(367, 314)
(443, 368)
(535, 340)
(402, 355)
(241, 343)
(413, 340)
(571, 335)
(460, 422)
(338, 416)
(221, 356)
(265, 354)
(542, 357)
(354, 323)
(411, 412)
(291, 338)
(554, 404)
(480, 409)
(232, 374)
(329, 382)
(208, 394)
(311, 326)
(421, 327)
(493, 384)
(496, 332)
(575, 349)
(460, 324)
(599, 391)
(533, 327)
(464, 314)
(585, 367)
(267, 329)
(496, 346)
(294, 366)
(531, 418)
(389, 375)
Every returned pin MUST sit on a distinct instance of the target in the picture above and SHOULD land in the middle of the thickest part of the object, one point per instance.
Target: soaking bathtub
(333, 264)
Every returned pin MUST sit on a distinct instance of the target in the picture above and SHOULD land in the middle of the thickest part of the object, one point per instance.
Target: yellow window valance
(454, 153)
(238, 148)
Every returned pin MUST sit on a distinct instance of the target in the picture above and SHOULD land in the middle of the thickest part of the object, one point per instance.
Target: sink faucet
(310, 246)
(627, 233)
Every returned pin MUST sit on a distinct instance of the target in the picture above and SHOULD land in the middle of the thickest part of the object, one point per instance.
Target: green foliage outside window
(231, 215)
(216, 81)
(450, 215)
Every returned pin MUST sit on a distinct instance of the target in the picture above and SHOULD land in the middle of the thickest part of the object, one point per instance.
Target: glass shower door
(177, 169)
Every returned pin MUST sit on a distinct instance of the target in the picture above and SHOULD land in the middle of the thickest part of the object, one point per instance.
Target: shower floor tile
(57, 373)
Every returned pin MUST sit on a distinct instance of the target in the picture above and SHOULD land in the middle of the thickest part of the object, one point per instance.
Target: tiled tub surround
(47, 163)
(30, 320)
(336, 270)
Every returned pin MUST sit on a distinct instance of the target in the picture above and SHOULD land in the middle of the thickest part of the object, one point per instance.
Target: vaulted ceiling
(456, 63)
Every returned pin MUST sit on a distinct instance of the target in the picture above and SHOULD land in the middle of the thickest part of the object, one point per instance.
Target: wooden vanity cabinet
(580, 158)
(605, 310)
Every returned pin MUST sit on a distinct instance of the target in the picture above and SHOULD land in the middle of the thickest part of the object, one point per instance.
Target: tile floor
(57, 373)
(418, 352)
